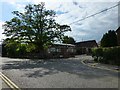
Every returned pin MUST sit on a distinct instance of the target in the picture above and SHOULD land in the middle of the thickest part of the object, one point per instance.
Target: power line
(94, 14)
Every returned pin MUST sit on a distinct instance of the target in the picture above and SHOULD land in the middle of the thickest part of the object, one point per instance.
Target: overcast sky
(68, 11)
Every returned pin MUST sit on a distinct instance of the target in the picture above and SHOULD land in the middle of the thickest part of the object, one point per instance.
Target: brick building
(85, 47)
(61, 50)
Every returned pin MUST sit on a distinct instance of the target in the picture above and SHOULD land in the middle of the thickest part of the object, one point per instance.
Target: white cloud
(94, 27)
(91, 28)
(1, 31)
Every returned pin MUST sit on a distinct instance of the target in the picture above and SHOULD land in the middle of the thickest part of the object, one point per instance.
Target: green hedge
(107, 55)
(15, 49)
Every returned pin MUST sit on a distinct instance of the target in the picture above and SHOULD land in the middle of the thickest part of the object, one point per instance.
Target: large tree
(35, 25)
(109, 39)
(68, 40)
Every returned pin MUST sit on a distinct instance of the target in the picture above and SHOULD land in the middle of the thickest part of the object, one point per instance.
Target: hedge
(109, 55)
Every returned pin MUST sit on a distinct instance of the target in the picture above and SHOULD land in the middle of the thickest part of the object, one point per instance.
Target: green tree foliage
(109, 39)
(68, 40)
(35, 26)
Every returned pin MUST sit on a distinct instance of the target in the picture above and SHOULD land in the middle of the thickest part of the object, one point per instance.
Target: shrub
(97, 53)
(11, 49)
(14, 49)
(107, 55)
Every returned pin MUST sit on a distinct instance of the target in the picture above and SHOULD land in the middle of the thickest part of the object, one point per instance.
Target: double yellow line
(12, 85)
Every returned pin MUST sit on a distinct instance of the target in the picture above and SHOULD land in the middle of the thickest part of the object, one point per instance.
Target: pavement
(58, 73)
(92, 63)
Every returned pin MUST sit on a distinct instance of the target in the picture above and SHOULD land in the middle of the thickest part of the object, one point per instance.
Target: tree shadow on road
(40, 68)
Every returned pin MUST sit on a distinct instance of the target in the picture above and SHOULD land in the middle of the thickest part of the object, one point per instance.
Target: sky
(69, 11)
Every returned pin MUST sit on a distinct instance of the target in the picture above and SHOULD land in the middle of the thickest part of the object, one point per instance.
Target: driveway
(57, 73)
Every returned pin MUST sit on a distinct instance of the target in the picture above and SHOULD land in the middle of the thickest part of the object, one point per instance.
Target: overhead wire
(94, 14)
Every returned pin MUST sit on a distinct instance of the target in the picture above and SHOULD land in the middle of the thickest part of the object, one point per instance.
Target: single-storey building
(85, 47)
(61, 50)
(118, 35)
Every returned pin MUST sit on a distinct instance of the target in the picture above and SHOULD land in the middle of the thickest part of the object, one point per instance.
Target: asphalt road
(59, 73)
(5, 86)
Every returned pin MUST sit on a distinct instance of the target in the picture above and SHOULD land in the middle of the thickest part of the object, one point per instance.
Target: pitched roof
(63, 44)
(90, 43)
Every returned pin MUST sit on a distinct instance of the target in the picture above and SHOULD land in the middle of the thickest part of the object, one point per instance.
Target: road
(59, 73)
(5, 86)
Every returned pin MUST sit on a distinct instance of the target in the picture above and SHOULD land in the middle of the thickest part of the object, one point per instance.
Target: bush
(107, 55)
(14, 49)
(97, 53)
(11, 49)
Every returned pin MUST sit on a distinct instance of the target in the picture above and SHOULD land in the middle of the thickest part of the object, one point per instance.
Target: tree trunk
(41, 51)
